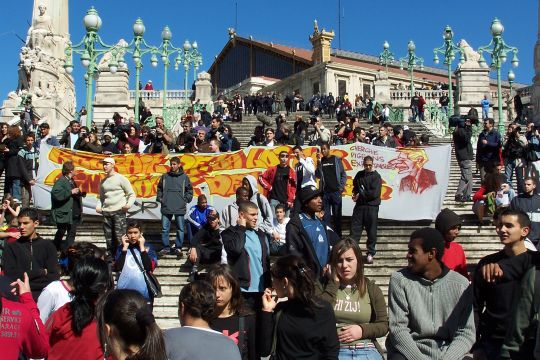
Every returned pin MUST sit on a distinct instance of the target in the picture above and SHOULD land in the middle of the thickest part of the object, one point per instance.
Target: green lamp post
(90, 49)
(411, 61)
(448, 51)
(189, 56)
(386, 57)
(498, 51)
(138, 48)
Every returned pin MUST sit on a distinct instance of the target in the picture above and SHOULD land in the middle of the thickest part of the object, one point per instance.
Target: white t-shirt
(280, 229)
(52, 298)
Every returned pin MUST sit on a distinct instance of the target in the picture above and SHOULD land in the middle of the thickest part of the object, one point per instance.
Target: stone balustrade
(158, 94)
(400, 95)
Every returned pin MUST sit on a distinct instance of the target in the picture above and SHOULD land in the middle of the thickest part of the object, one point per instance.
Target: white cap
(109, 160)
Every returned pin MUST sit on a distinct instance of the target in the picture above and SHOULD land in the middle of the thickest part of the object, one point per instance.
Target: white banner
(415, 180)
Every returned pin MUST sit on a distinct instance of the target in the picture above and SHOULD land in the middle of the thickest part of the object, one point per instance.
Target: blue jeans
(414, 110)
(16, 189)
(166, 227)
(445, 110)
(359, 354)
(485, 113)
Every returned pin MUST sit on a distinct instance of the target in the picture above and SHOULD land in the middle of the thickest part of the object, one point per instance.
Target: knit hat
(446, 220)
(309, 192)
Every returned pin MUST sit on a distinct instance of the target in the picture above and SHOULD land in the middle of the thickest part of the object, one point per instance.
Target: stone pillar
(382, 88)
(112, 94)
(203, 90)
(473, 84)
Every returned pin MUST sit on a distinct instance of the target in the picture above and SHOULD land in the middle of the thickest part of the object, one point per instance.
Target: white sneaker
(369, 259)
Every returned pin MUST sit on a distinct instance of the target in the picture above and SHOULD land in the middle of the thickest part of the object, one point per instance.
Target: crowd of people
(280, 278)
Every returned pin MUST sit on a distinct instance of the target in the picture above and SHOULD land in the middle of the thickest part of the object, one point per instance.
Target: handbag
(154, 288)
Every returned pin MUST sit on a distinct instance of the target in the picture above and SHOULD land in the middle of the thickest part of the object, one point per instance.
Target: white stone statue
(509, 101)
(41, 32)
(471, 56)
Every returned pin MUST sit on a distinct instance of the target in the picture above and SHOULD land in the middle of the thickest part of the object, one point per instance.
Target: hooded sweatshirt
(65, 344)
(174, 191)
(264, 221)
(454, 256)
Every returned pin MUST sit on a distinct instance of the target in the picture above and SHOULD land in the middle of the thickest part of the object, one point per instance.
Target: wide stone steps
(393, 236)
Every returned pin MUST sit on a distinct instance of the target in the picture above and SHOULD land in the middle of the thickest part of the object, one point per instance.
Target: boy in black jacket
(248, 255)
(31, 254)
(367, 186)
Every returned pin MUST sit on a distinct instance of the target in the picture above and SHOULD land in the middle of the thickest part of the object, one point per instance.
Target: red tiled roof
(304, 54)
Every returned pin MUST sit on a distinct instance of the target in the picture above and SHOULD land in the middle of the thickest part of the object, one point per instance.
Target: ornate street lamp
(90, 49)
(189, 56)
(411, 61)
(498, 51)
(448, 51)
(386, 57)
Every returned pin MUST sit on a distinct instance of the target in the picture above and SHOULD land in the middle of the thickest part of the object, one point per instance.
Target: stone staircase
(393, 236)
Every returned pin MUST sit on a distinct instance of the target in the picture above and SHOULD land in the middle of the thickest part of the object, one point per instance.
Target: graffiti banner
(415, 180)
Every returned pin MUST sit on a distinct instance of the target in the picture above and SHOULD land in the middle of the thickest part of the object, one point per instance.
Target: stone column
(203, 90)
(112, 95)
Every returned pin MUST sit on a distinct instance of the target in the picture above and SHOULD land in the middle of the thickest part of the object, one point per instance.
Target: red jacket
(267, 181)
(454, 258)
(65, 344)
(22, 329)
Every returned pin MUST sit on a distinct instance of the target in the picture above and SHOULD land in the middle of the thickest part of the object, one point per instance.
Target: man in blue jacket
(174, 192)
(488, 148)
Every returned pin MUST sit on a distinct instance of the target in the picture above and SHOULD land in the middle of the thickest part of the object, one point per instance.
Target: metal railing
(435, 119)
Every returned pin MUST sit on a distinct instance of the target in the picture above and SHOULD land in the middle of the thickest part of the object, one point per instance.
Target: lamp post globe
(448, 33)
(511, 76)
(139, 28)
(92, 21)
(497, 27)
(386, 45)
(411, 46)
(194, 45)
(187, 45)
(166, 34)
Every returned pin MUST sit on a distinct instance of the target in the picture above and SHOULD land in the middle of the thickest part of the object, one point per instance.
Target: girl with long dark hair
(73, 327)
(303, 327)
(231, 318)
(359, 305)
(58, 292)
(127, 328)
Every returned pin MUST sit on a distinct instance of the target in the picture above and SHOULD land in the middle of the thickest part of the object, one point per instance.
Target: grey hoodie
(265, 219)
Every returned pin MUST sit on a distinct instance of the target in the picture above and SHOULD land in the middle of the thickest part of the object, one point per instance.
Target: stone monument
(112, 90)
(472, 80)
(203, 90)
(42, 80)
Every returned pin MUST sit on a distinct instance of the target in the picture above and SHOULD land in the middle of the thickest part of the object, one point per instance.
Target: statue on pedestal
(509, 101)
(41, 33)
(471, 56)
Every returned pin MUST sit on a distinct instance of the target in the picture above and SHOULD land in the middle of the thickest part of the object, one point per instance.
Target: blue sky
(364, 27)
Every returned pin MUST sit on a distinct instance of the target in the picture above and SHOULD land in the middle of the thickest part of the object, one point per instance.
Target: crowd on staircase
(280, 277)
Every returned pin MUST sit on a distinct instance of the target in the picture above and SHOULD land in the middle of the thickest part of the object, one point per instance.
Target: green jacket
(62, 202)
(378, 325)
(522, 336)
